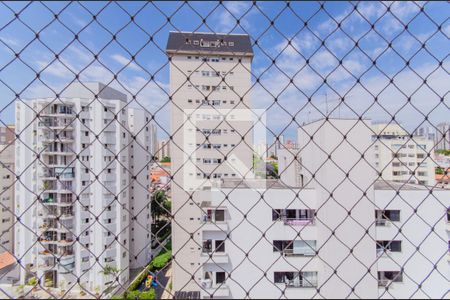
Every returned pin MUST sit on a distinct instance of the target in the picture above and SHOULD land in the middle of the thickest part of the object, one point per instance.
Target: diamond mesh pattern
(384, 61)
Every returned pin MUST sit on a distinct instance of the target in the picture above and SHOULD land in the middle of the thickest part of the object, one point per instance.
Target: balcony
(48, 213)
(66, 216)
(48, 201)
(382, 251)
(298, 222)
(51, 138)
(58, 151)
(45, 267)
(46, 254)
(56, 109)
(67, 242)
(66, 268)
(215, 226)
(382, 223)
(55, 124)
(291, 253)
(384, 282)
(67, 259)
(301, 283)
(214, 258)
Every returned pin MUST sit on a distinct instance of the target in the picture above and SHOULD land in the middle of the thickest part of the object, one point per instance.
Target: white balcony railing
(298, 222)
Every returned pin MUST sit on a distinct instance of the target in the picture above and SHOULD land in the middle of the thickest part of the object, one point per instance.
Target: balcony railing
(382, 222)
(301, 283)
(290, 252)
(56, 123)
(383, 282)
(298, 222)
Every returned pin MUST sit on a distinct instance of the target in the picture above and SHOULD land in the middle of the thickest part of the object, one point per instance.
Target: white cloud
(10, 41)
(226, 20)
(371, 10)
(56, 69)
(122, 60)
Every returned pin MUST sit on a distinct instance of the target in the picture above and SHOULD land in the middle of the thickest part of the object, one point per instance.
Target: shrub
(161, 261)
(140, 295)
(148, 294)
(32, 281)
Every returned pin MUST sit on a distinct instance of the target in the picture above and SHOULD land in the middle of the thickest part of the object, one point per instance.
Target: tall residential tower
(76, 181)
(210, 80)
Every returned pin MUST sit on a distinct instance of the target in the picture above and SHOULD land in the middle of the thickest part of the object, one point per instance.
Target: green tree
(109, 270)
(165, 159)
(161, 206)
(443, 152)
(439, 171)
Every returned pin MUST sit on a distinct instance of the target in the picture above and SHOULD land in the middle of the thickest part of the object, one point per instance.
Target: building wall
(411, 164)
(140, 201)
(443, 136)
(255, 235)
(332, 165)
(289, 167)
(187, 99)
(100, 188)
(421, 247)
(163, 149)
(7, 178)
(7, 135)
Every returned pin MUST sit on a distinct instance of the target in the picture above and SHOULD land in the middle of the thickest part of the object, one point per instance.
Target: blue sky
(313, 53)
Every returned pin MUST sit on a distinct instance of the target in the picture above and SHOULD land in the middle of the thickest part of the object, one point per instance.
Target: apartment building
(7, 179)
(289, 164)
(210, 80)
(443, 136)
(402, 158)
(7, 135)
(73, 197)
(141, 152)
(153, 137)
(163, 149)
(342, 234)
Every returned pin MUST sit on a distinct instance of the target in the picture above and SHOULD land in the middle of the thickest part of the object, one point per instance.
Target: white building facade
(7, 179)
(443, 136)
(211, 138)
(402, 158)
(141, 156)
(342, 234)
(74, 162)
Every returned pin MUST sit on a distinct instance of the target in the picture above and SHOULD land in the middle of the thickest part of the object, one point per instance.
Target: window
(388, 246)
(386, 277)
(295, 248)
(220, 277)
(296, 279)
(220, 246)
(207, 246)
(219, 215)
(384, 216)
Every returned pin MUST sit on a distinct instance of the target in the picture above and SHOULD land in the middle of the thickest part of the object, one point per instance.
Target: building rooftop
(254, 184)
(209, 43)
(397, 186)
(278, 184)
(6, 260)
